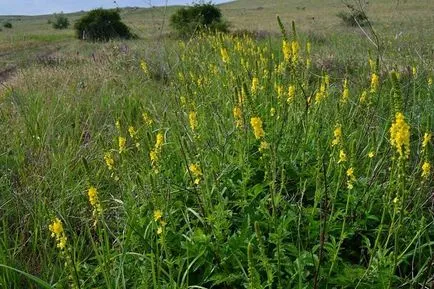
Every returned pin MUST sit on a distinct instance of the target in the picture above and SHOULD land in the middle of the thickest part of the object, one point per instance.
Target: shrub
(199, 17)
(101, 25)
(7, 25)
(354, 17)
(60, 21)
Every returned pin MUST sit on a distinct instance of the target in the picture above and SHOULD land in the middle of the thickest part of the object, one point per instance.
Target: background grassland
(280, 217)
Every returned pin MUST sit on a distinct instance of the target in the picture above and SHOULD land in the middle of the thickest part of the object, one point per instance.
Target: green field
(254, 159)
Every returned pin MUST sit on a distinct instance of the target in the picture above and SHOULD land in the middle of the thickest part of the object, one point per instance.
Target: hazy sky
(35, 7)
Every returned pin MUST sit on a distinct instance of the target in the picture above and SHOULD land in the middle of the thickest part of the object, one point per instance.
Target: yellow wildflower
(238, 116)
(255, 84)
(159, 141)
(342, 157)
(264, 146)
(122, 142)
(256, 123)
(364, 96)
(322, 92)
(132, 131)
(414, 71)
(375, 82)
(295, 48)
(57, 232)
(337, 133)
(108, 158)
(286, 49)
(429, 82)
(371, 154)
(345, 92)
(144, 67)
(155, 152)
(279, 90)
(224, 54)
(272, 111)
(192, 117)
(291, 93)
(159, 230)
(426, 169)
(146, 119)
(195, 172)
(157, 215)
(118, 125)
(426, 140)
(350, 178)
(400, 135)
(94, 201)
(372, 65)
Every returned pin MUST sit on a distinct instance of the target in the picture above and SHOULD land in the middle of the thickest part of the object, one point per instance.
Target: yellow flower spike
(371, 154)
(400, 136)
(426, 169)
(57, 232)
(372, 65)
(429, 82)
(426, 140)
(156, 151)
(157, 215)
(337, 134)
(272, 112)
(109, 161)
(118, 125)
(350, 178)
(195, 172)
(256, 124)
(291, 93)
(238, 116)
(279, 90)
(255, 84)
(92, 194)
(342, 157)
(295, 47)
(264, 146)
(159, 141)
(224, 54)
(132, 131)
(414, 71)
(147, 119)
(345, 92)
(122, 143)
(144, 67)
(287, 50)
(192, 118)
(375, 82)
(363, 97)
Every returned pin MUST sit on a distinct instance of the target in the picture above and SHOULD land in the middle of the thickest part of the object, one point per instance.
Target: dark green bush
(101, 25)
(60, 21)
(7, 25)
(199, 17)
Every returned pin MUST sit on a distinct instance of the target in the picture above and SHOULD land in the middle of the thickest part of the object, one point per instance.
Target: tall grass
(239, 164)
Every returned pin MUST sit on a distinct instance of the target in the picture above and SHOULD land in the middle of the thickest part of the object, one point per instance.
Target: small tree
(7, 25)
(60, 21)
(101, 25)
(198, 17)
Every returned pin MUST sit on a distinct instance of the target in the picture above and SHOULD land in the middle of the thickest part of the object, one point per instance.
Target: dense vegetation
(101, 25)
(60, 21)
(198, 18)
(222, 162)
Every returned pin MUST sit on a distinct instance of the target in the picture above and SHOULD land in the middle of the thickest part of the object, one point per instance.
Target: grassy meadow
(275, 156)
